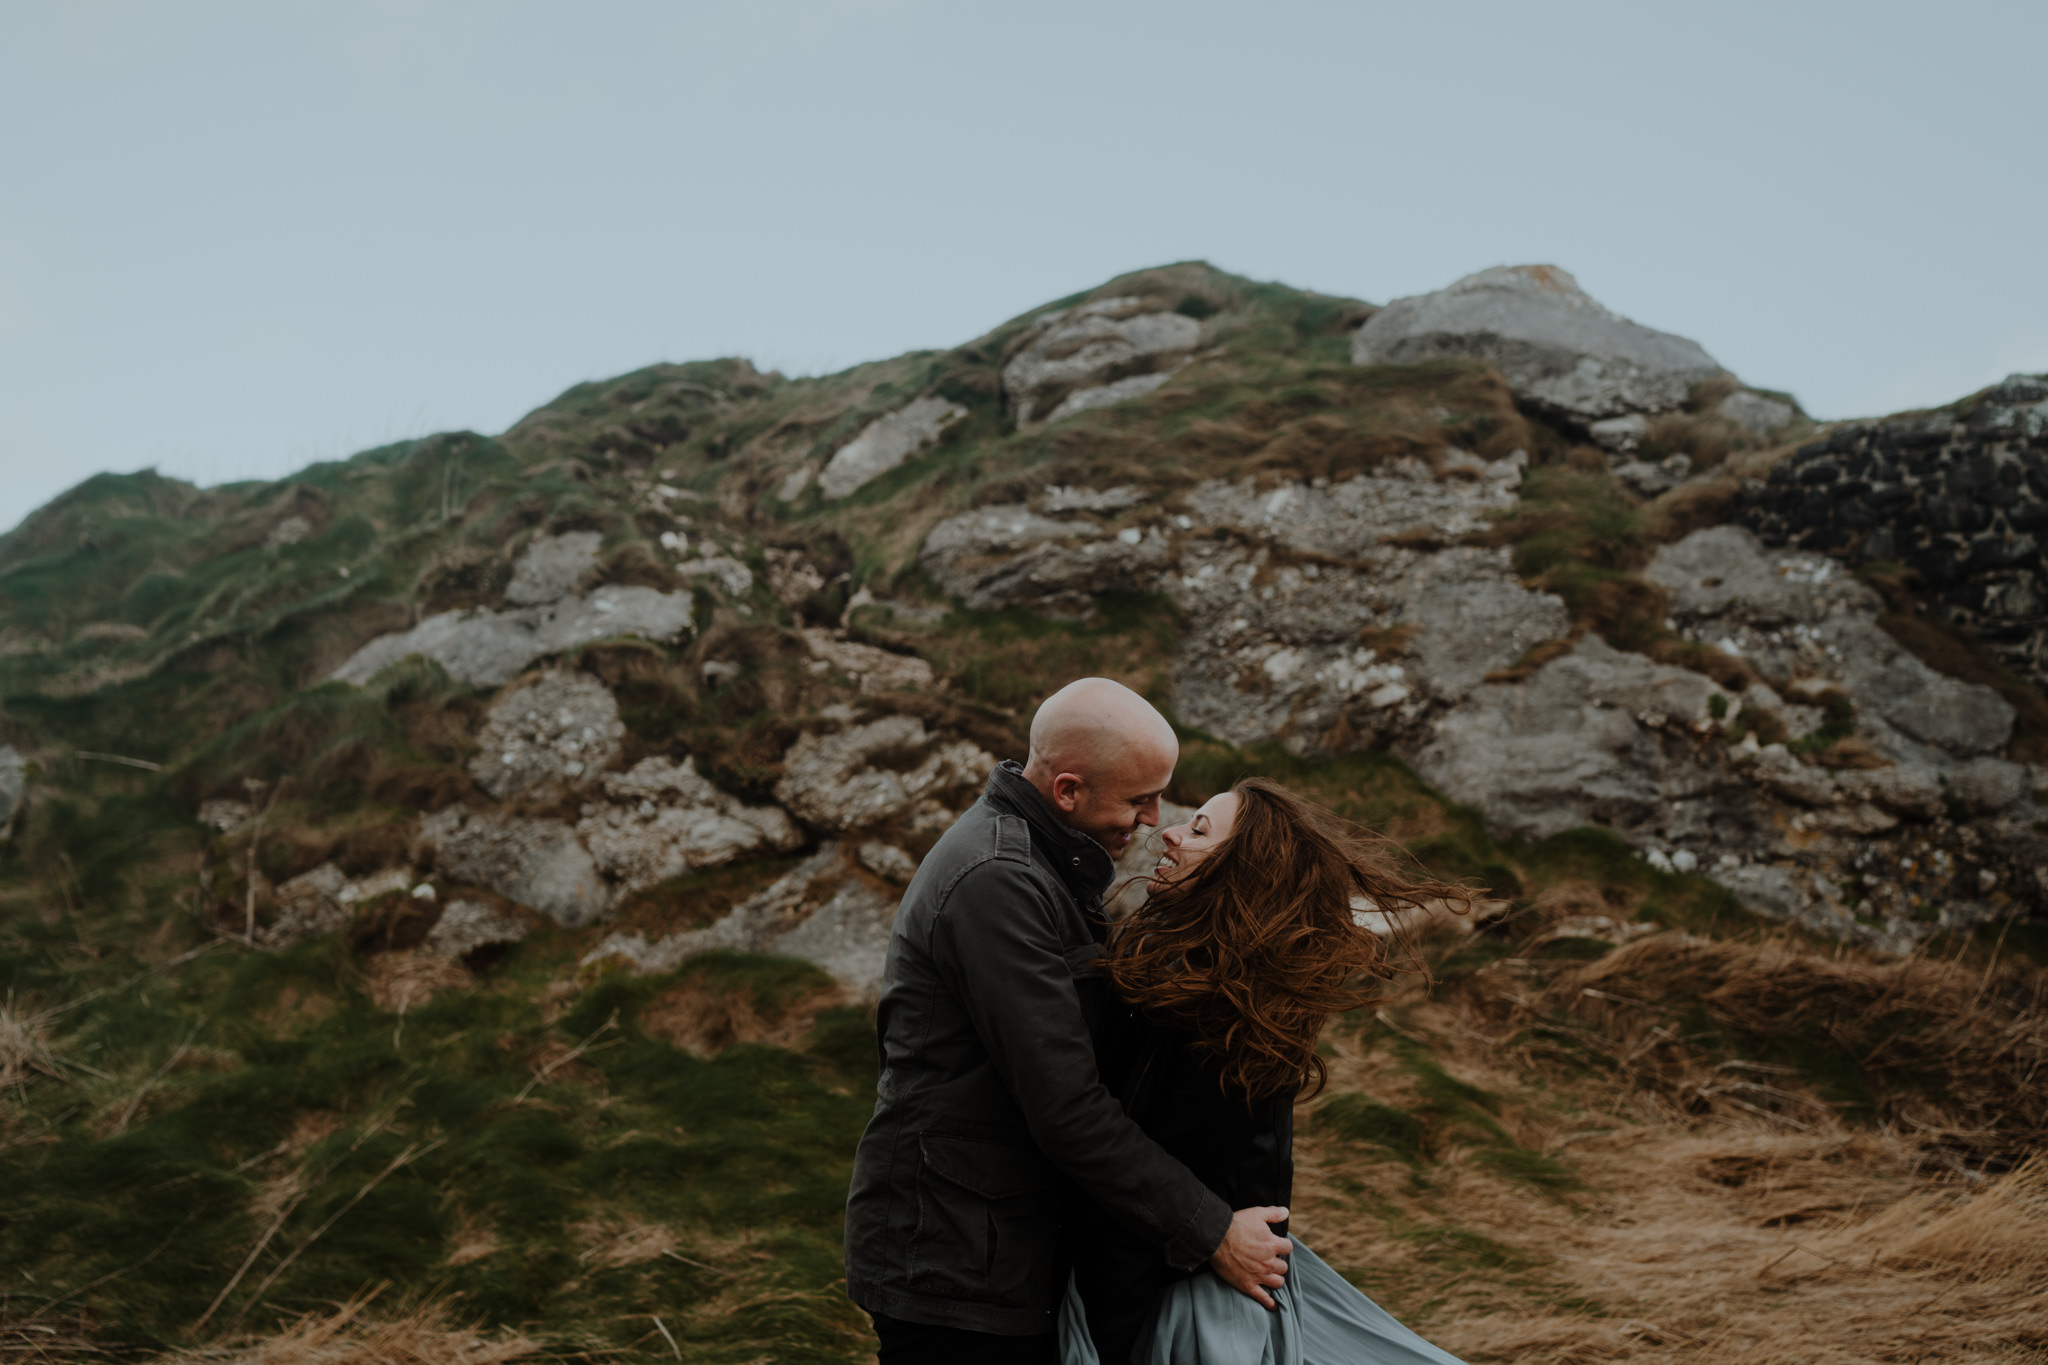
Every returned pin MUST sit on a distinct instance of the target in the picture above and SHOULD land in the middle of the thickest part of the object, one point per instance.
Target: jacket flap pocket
(993, 1170)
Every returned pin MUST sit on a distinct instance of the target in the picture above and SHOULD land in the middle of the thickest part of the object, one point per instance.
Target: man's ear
(1066, 791)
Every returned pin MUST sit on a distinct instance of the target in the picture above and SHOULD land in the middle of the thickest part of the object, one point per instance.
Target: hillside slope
(464, 867)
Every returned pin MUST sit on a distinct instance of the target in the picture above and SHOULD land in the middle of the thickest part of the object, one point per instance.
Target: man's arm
(996, 944)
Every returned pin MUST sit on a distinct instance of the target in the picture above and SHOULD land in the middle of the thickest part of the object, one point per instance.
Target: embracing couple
(1082, 1147)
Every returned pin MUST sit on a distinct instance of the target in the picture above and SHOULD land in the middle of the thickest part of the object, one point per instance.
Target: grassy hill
(203, 1141)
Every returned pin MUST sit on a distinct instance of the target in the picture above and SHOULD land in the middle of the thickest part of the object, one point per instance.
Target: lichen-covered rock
(1759, 415)
(1109, 395)
(885, 771)
(1913, 790)
(1958, 495)
(466, 925)
(733, 577)
(873, 669)
(1785, 775)
(553, 731)
(661, 819)
(323, 901)
(1557, 347)
(1586, 740)
(1800, 617)
(489, 648)
(1001, 556)
(1092, 347)
(823, 910)
(887, 861)
(536, 862)
(886, 442)
(1272, 631)
(308, 905)
(552, 567)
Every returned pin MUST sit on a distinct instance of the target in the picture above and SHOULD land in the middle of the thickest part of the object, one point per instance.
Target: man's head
(1102, 756)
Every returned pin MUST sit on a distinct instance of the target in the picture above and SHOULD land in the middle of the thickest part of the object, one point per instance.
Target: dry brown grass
(704, 1020)
(25, 1049)
(409, 978)
(1694, 1239)
(1724, 1215)
(614, 1240)
(1951, 1052)
(424, 1334)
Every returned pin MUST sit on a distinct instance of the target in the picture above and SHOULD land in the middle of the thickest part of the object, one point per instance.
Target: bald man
(990, 1107)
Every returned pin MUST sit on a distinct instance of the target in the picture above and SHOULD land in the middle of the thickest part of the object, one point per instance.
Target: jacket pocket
(987, 1222)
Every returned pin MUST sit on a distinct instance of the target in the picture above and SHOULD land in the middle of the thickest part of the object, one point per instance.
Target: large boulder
(995, 557)
(888, 771)
(547, 615)
(487, 648)
(1804, 621)
(1557, 347)
(553, 731)
(552, 567)
(661, 819)
(886, 442)
(1583, 741)
(827, 910)
(536, 862)
(1093, 354)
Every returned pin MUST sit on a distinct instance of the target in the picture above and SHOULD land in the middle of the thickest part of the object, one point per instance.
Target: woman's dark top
(1244, 1154)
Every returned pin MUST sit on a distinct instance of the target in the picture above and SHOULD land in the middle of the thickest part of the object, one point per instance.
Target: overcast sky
(239, 237)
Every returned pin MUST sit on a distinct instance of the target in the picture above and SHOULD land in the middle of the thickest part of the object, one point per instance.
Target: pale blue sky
(237, 236)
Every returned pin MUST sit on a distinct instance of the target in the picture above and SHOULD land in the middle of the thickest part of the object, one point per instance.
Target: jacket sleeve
(996, 942)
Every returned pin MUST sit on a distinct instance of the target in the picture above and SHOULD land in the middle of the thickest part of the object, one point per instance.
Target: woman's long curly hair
(1259, 945)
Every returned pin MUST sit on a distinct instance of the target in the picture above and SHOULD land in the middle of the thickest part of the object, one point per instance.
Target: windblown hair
(1253, 951)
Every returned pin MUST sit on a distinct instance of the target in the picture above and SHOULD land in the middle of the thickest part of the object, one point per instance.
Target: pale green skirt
(1322, 1320)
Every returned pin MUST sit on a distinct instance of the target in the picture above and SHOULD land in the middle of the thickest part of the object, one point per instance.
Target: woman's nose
(1171, 835)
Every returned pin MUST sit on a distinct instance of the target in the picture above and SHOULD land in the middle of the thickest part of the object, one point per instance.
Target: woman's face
(1186, 845)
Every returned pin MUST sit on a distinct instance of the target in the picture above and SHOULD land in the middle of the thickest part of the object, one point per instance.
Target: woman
(1206, 1008)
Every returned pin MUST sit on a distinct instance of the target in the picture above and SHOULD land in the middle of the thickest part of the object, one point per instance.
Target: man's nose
(1148, 814)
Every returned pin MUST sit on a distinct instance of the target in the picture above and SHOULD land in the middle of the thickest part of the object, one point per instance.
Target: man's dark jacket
(989, 1099)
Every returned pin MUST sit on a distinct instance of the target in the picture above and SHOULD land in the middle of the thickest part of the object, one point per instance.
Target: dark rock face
(1958, 496)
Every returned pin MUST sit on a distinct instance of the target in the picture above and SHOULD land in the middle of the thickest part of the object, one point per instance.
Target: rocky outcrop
(487, 648)
(534, 862)
(871, 668)
(887, 771)
(466, 927)
(1799, 619)
(1582, 741)
(1959, 496)
(826, 910)
(547, 616)
(1094, 354)
(661, 819)
(552, 567)
(1557, 347)
(323, 901)
(885, 443)
(1336, 616)
(552, 732)
(1308, 609)
(1001, 556)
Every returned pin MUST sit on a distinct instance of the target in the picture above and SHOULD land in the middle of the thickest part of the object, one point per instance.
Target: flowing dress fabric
(1322, 1320)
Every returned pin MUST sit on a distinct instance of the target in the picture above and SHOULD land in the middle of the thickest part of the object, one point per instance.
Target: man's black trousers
(918, 1343)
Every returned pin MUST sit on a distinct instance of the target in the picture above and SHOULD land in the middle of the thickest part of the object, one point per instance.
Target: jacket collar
(1084, 865)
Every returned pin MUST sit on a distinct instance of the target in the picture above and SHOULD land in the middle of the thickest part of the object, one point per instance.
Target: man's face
(1110, 805)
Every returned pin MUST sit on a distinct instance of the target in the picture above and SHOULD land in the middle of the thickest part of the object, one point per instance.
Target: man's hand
(1251, 1259)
